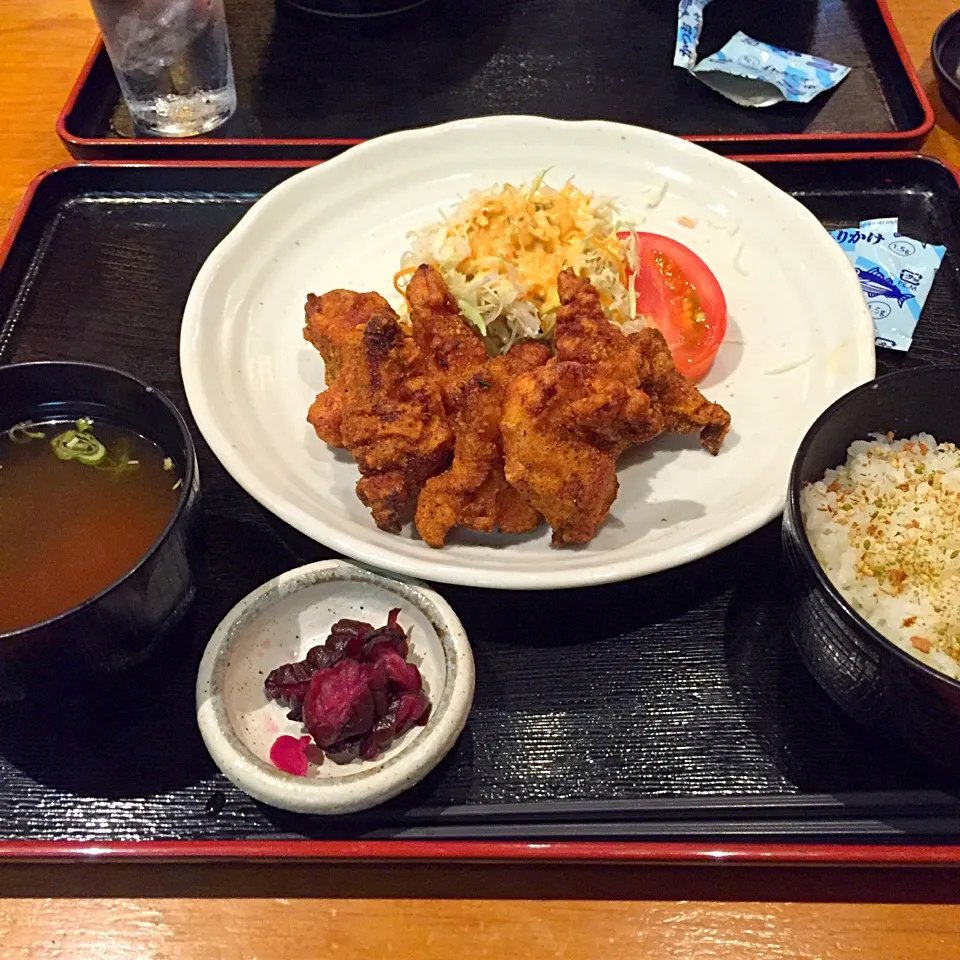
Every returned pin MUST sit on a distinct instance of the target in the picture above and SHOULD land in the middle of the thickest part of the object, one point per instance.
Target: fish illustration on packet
(895, 273)
(875, 283)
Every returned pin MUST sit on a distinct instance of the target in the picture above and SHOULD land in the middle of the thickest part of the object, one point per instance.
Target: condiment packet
(896, 273)
(748, 71)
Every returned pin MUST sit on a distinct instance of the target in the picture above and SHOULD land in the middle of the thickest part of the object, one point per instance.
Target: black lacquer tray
(308, 87)
(670, 708)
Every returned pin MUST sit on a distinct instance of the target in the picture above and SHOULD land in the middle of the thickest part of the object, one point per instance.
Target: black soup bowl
(353, 9)
(945, 54)
(870, 677)
(123, 624)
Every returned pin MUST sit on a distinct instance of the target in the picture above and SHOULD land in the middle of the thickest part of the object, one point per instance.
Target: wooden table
(427, 912)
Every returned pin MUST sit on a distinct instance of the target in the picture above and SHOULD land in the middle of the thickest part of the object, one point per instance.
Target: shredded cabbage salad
(500, 252)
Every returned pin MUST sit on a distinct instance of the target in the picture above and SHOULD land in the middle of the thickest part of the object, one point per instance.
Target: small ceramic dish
(278, 623)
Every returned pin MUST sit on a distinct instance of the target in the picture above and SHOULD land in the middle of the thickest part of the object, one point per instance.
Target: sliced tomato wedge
(678, 293)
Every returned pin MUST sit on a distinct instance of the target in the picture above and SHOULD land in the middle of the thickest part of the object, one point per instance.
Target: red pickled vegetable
(355, 694)
(347, 637)
(379, 681)
(290, 754)
(288, 683)
(358, 628)
(405, 710)
(345, 751)
(409, 708)
(319, 657)
(392, 635)
(404, 675)
(380, 735)
(339, 703)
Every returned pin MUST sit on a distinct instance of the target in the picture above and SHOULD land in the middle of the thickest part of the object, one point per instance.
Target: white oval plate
(799, 336)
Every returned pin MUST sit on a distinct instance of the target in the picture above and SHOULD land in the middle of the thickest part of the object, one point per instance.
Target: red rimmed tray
(770, 773)
(309, 88)
(695, 854)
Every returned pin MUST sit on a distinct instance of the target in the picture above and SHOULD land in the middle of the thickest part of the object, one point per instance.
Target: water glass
(172, 60)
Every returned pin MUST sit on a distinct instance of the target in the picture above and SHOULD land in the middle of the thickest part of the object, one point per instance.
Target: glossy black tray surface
(670, 706)
(309, 86)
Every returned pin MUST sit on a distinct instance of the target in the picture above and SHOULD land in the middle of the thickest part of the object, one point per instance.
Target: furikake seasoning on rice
(885, 527)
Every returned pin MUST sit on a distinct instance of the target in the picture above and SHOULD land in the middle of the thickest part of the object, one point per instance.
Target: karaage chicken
(683, 407)
(565, 424)
(439, 428)
(334, 320)
(389, 408)
(473, 491)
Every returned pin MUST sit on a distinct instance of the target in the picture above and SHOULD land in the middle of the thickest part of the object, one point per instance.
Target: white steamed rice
(885, 527)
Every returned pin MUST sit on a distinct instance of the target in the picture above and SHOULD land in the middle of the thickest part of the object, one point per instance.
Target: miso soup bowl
(123, 624)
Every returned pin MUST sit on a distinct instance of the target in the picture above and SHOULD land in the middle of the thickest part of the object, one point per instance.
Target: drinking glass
(172, 60)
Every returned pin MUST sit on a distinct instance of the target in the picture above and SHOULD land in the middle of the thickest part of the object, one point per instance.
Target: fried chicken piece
(334, 320)
(326, 415)
(564, 426)
(445, 338)
(584, 333)
(466, 493)
(393, 421)
(473, 491)
(515, 514)
(683, 407)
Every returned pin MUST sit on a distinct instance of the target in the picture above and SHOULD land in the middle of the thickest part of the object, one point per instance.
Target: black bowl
(870, 677)
(945, 54)
(122, 625)
(353, 9)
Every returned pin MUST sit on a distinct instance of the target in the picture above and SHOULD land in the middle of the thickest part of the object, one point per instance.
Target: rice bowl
(885, 527)
(892, 691)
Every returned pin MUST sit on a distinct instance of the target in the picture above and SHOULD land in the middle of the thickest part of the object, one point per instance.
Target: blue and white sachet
(896, 274)
(748, 71)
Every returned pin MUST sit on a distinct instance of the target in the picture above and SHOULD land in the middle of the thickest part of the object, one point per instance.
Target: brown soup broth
(69, 530)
